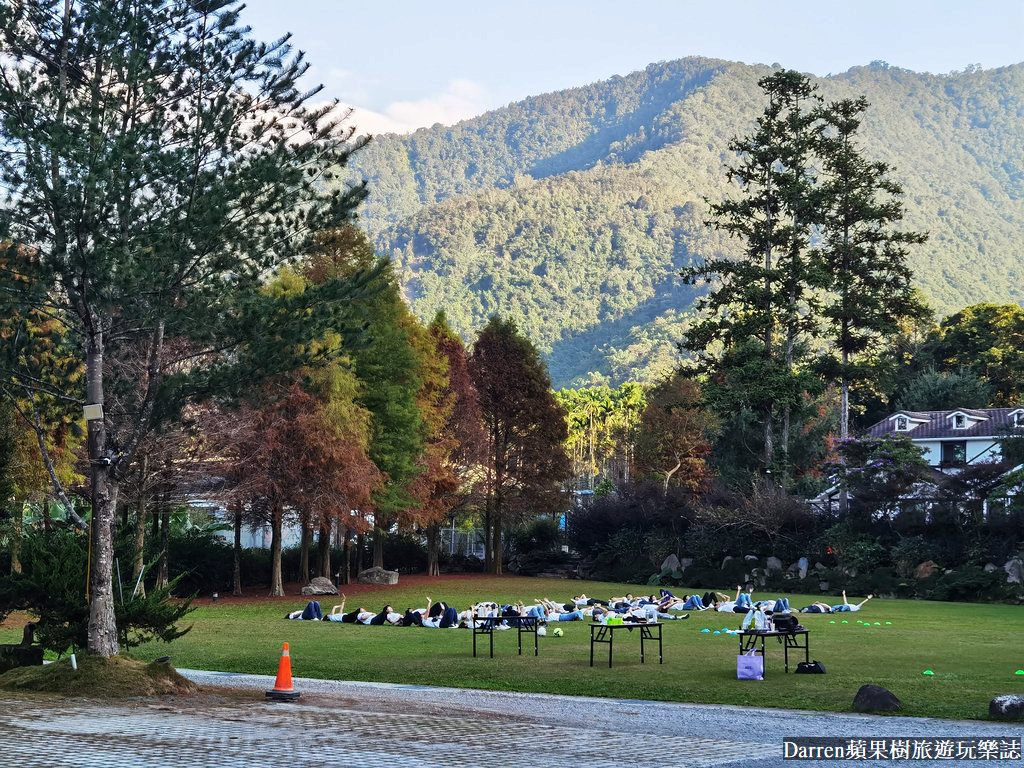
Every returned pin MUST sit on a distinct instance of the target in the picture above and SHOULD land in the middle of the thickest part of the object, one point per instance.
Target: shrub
(966, 583)
(52, 588)
(541, 534)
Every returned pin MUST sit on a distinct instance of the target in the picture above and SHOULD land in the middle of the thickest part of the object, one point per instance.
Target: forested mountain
(572, 212)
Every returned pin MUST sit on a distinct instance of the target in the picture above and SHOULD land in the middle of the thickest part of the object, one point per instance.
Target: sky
(406, 64)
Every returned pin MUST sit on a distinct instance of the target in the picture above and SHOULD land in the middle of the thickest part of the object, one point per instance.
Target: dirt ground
(293, 590)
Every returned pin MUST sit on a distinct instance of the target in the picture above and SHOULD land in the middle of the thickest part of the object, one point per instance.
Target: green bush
(541, 534)
(969, 582)
(52, 588)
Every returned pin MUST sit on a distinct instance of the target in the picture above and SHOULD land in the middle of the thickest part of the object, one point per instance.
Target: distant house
(954, 442)
(955, 438)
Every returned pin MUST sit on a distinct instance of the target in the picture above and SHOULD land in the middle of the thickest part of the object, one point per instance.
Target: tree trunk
(360, 542)
(47, 520)
(433, 549)
(276, 525)
(162, 569)
(346, 575)
(844, 433)
(496, 547)
(139, 555)
(102, 633)
(378, 547)
(323, 565)
(236, 580)
(307, 535)
(16, 535)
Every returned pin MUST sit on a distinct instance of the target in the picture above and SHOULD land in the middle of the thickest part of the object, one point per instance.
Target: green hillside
(573, 211)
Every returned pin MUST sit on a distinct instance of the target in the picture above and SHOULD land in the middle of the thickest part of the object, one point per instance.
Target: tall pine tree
(764, 294)
(862, 256)
(158, 164)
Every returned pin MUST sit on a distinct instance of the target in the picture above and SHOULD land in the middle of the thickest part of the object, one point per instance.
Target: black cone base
(283, 695)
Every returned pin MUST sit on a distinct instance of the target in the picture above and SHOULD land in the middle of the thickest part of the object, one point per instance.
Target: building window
(959, 421)
(901, 423)
(1018, 419)
(954, 453)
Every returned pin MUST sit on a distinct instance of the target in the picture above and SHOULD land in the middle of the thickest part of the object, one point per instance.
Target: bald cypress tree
(526, 431)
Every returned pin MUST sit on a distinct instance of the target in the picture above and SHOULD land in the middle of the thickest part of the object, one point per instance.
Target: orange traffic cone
(283, 690)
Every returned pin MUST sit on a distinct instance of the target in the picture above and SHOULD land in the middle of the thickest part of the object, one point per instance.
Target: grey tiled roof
(938, 424)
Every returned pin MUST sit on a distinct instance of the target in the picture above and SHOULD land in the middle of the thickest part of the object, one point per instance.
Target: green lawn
(973, 650)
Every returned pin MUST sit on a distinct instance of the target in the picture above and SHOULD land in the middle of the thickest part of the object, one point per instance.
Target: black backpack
(784, 622)
(810, 668)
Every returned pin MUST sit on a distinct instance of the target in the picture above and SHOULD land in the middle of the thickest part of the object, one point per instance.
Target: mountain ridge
(572, 211)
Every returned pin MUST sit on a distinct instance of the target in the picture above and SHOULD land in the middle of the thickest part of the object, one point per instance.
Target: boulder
(803, 565)
(685, 562)
(725, 560)
(1009, 707)
(820, 567)
(773, 564)
(1014, 571)
(823, 586)
(378, 575)
(750, 557)
(671, 563)
(989, 567)
(926, 569)
(320, 586)
(875, 698)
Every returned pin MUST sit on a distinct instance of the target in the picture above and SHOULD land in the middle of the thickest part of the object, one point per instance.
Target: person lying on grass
(311, 612)
(846, 605)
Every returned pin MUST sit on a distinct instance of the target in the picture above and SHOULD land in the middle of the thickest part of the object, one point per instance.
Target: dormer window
(1018, 419)
(959, 421)
(902, 425)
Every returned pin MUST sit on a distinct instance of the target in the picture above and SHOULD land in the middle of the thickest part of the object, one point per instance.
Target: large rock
(725, 560)
(773, 564)
(803, 565)
(685, 562)
(750, 557)
(1009, 707)
(926, 569)
(671, 563)
(989, 567)
(378, 575)
(1014, 571)
(320, 586)
(875, 698)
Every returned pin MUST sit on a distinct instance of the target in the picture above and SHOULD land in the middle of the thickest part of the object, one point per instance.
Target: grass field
(973, 650)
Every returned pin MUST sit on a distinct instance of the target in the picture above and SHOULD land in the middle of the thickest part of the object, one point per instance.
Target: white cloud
(462, 99)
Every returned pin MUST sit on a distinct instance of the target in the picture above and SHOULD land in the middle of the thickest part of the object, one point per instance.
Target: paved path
(368, 725)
